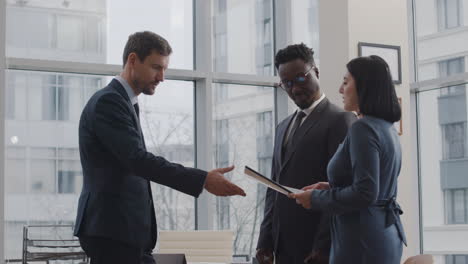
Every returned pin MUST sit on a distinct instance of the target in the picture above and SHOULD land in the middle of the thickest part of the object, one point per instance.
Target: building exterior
(441, 52)
(43, 174)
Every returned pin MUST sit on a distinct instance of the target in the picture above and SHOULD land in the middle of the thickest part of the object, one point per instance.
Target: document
(269, 183)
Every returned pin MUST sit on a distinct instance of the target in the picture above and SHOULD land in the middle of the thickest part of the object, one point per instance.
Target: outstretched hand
(218, 185)
(265, 256)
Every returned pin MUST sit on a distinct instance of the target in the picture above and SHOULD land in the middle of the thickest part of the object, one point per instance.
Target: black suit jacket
(116, 200)
(316, 140)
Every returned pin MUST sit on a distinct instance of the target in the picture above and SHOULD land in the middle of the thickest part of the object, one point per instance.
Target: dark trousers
(284, 256)
(107, 251)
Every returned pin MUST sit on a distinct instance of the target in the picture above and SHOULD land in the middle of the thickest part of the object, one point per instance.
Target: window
(222, 93)
(48, 96)
(454, 143)
(448, 68)
(66, 181)
(15, 165)
(249, 23)
(305, 24)
(95, 31)
(43, 108)
(264, 136)
(265, 55)
(222, 144)
(442, 140)
(222, 160)
(43, 166)
(221, 5)
(456, 259)
(243, 127)
(456, 206)
(167, 122)
(220, 36)
(449, 14)
(264, 154)
(70, 33)
(53, 30)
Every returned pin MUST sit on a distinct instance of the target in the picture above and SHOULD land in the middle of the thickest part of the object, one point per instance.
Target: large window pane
(167, 122)
(305, 24)
(441, 34)
(43, 175)
(245, 28)
(243, 129)
(96, 31)
(444, 162)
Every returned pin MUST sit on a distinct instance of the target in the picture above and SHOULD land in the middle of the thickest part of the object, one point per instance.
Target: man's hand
(218, 185)
(302, 198)
(316, 257)
(264, 256)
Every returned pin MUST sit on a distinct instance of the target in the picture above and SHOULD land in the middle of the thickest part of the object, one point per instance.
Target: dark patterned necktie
(290, 143)
(137, 110)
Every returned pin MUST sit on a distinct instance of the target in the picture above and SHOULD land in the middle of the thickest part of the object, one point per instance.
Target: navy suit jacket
(316, 141)
(116, 200)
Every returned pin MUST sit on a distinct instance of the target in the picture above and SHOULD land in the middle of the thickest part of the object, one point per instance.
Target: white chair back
(198, 246)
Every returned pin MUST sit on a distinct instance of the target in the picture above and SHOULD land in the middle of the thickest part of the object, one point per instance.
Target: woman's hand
(303, 198)
(317, 186)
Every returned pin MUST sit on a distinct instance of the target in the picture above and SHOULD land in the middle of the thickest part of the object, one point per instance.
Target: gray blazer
(287, 225)
(366, 226)
(116, 200)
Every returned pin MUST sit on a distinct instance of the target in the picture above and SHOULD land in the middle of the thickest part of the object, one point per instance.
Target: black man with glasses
(304, 143)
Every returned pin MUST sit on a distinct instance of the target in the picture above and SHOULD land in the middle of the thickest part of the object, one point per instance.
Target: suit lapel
(121, 90)
(282, 132)
(311, 120)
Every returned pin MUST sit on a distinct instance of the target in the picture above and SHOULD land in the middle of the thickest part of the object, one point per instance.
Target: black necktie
(290, 143)
(137, 110)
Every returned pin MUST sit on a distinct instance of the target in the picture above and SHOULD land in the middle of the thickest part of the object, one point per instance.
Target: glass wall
(243, 135)
(443, 153)
(441, 34)
(167, 122)
(305, 25)
(95, 31)
(43, 174)
(243, 27)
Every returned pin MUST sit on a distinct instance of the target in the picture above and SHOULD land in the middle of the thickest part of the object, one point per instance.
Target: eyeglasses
(299, 79)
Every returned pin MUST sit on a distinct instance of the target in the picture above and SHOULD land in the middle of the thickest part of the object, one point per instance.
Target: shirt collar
(311, 108)
(128, 89)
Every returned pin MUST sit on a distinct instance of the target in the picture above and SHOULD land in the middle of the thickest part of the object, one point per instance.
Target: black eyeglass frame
(301, 78)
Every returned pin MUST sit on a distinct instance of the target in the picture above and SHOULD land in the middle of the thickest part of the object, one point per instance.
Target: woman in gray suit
(362, 188)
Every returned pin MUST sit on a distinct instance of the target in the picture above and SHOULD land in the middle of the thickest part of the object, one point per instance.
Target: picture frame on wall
(391, 54)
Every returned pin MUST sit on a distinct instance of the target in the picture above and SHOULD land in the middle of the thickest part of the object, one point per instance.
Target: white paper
(270, 184)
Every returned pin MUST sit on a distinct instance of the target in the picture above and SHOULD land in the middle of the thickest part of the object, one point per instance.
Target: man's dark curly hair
(292, 52)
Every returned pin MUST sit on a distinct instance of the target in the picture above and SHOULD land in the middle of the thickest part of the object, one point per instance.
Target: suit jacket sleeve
(364, 190)
(116, 130)
(337, 133)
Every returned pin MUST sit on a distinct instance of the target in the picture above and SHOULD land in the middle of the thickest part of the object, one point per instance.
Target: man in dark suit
(115, 220)
(304, 143)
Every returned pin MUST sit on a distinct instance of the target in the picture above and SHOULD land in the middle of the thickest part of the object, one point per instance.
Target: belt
(392, 217)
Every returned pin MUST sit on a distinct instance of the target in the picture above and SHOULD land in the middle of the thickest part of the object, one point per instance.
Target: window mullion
(2, 125)
(203, 106)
